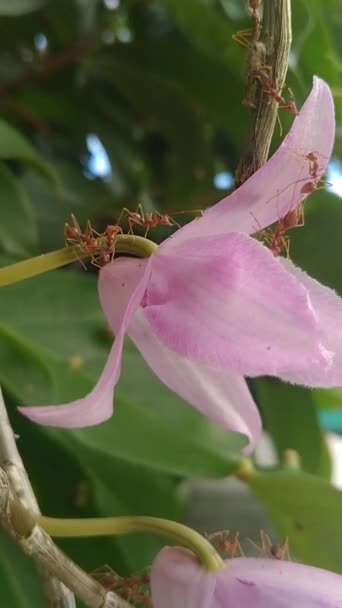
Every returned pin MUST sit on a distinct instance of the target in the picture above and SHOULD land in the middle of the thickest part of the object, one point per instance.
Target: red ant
(100, 246)
(226, 546)
(85, 240)
(264, 76)
(106, 244)
(267, 548)
(313, 164)
(147, 220)
(73, 234)
(130, 588)
(279, 240)
(242, 36)
(253, 6)
(257, 71)
(277, 551)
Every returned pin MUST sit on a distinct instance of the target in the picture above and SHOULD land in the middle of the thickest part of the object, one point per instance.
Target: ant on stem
(253, 7)
(264, 75)
(100, 246)
(258, 72)
(146, 219)
(242, 37)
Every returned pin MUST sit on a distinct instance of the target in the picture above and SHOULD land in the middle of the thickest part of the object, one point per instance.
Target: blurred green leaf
(190, 447)
(216, 95)
(19, 7)
(13, 145)
(117, 484)
(307, 510)
(19, 583)
(18, 233)
(166, 107)
(208, 29)
(19, 359)
(290, 416)
(316, 246)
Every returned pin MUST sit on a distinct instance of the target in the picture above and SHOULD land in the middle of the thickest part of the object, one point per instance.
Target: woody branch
(275, 49)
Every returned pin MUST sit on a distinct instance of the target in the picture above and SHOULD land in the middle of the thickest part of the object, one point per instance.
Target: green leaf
(168, 108)
(313, 43)
(61, 319)
(203, 78)
(190, 447)
(13, 145)
(208, 29)
(290, 416)
(315, 246)
(307, 510)
(19, 7)
(19, 359)
(117, 484)
(18, 233)
(52, 208)
(19, 583)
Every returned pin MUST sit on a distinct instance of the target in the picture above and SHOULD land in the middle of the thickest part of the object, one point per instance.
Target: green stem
(133, 245)
(103, 526)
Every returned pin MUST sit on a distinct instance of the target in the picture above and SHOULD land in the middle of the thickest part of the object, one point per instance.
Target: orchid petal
(328, 308)
(97, 406)
(178, 581)
(274, 189)
(244, 582)
(228, 303)
(221, 395)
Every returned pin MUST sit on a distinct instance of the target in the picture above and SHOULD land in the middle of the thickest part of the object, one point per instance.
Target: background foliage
(106, 104)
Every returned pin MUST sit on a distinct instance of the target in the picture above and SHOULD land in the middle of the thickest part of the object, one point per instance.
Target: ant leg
(140, 211)
(76, 224)
(123, 212)
(242, 37)
(173, 222)
(131, 221)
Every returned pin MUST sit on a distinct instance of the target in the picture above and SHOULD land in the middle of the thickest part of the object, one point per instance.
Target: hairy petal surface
(97, 406)
(328, 309)
(227, 303)
(245, 582)
(222, 396)
(275, 188)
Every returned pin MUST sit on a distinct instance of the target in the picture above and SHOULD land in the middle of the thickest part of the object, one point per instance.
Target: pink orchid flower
(178, 580)
(212, 304)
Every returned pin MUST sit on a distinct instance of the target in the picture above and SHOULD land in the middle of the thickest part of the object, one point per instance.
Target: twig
(57, 595)
(277, 37)
(19, 522)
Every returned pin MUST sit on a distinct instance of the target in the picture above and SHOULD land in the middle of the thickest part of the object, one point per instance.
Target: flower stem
(103, 526)
(133, 245)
